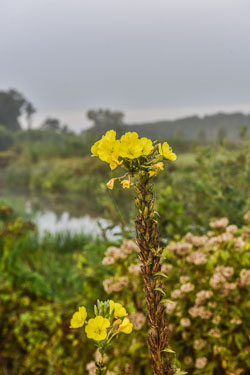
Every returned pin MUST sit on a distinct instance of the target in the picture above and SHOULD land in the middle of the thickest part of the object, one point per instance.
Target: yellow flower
(152, 173)
(130, 146)
(119, 310)
(126, 326)
(78, 318)
(94, 148)
(166, 151)
(147, 146)
(111, 182)
(96, 328)
(159, 165)
(125, 184)
(107, 149)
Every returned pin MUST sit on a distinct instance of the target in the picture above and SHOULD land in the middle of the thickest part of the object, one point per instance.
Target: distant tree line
(216, 127)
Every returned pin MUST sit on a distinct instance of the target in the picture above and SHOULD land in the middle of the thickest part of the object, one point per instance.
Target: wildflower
(113, 252)
(232, 229)
(135, 269)
(130, 146)
(247, 216)
(202, 296)
(197, 258)
(236, 321)
(185, 322)
(126, 326)
(159, 165)
(107, 261)
(176, 294)
(166, 268)
(166, 151)
(119, 310)
(216, 319)
(170, 307)
(96, 328)
(152, 173)
(110, 184)
(125, 184)
(196, 241)
(201, 362)
(186, 288)
(91, 368)
(181, 248)
(200, 311)
(128, 247)
(112, 285)
(147, 146)
(138, 319)
(78, 318)
(219, 224)
(199, 344)
(244, 277)
(184, 279)
(107, 149)
(214, 332)
(239, 243)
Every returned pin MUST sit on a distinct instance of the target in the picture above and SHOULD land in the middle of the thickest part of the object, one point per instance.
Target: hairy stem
(148, 242)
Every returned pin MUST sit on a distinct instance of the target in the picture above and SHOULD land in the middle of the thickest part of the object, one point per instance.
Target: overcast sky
(152, 59)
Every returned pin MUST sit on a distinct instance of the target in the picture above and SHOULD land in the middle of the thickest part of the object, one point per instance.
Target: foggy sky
(150, 58)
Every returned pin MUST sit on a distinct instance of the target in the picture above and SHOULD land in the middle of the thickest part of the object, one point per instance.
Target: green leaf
(164, 300)
(180, 372)
(160, 274)
(169, 351)
(160, 290)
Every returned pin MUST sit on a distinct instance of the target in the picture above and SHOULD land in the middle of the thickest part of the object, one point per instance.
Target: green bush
(213, 184)
(42, 281)
(206, 299)
(6, 139)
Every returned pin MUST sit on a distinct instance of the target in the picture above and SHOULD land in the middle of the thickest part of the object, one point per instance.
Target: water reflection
(48, 221)
(59, 212)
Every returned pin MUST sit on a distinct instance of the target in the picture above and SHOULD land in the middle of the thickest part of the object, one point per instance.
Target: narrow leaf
(168, 351)
(160, 290)
(166, 301)
(160, 274)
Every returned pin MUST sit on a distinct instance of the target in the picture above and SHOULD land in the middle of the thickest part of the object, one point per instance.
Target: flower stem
(150, 253)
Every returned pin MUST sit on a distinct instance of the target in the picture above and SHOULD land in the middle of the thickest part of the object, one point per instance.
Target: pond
(60, 212)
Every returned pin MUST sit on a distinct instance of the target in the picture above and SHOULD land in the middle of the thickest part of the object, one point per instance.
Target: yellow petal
(110, 184)
(125, 184)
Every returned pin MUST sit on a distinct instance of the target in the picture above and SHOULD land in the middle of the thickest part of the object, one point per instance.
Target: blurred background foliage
(45, 276)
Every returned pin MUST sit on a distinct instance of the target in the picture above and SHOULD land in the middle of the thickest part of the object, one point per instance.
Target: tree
(12, 105)
(104, 119)
(30, 110)
(51, 124)
(243, 131)
(6, 139)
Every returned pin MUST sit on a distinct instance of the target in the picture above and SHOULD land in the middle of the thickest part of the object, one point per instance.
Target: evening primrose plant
(110, 320)
(133, 154)
(142, 160)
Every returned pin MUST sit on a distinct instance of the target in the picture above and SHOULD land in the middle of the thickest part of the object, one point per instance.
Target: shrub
(207, 302)
(42, 280)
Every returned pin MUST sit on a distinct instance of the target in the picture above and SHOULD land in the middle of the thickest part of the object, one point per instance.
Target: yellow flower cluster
(131, 153)
(130, 146)
(101, 328)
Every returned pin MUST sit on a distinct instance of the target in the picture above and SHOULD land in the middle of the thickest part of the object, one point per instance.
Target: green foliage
(214, 184)
(12, 106)
(206, 298)
(6, 138)
(42, 281)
